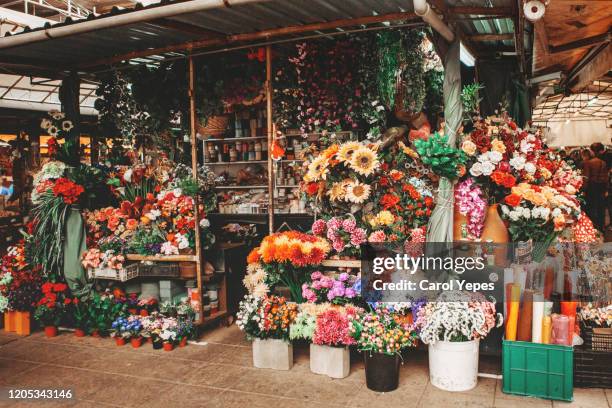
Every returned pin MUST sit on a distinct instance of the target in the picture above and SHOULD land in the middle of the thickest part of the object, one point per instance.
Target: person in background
(7, 187)
(595, 172)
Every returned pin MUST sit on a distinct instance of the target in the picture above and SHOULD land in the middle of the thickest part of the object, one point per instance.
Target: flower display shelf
(161, 258)
(342, 263)
(122, 275)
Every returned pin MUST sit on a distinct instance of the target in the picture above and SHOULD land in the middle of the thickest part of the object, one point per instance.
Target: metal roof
(216, 27)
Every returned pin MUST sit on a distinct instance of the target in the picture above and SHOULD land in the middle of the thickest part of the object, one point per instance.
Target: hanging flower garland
(468, 197)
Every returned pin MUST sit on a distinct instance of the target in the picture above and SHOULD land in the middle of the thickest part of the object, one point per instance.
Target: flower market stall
(266, 171)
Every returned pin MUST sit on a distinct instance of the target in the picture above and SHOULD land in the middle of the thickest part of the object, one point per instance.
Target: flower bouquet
(52, 307)
(382, 334)
(343, 234)
(328, 289)
(452, 327)
(287, 257)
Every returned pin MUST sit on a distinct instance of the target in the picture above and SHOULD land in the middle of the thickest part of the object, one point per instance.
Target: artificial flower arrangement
(332, 327)
(20, 284)
(54, 304)
(344, 235)
(383, 330)
(470, 203)
(456, 317)
(444, 160)
(339, 290)
(285, 257)
(58, 127)
(94, 258)
(5, 280)
(268, 317)
(593, 316)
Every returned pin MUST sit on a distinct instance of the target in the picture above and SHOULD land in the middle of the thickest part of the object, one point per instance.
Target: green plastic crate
(538, 370)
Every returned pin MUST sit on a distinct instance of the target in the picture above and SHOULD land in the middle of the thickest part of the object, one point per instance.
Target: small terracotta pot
(50, 331)
(168, 346)
(183, 342)
(133, 311)
(79, 332)
(144, 313)
(96, 334)
(120, 341)
(136, 342)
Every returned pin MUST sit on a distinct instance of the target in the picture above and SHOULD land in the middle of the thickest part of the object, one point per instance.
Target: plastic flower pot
(144, 313)
(157, 344)
(382, 371)
(183, 342)
(9, 321)
(136, 342)
(79, 332)
(272, 353)
(120, 341)
(50, 331)
(168, 346)
(453, 366)
(334, 362)
(22, 323)
(96, 334)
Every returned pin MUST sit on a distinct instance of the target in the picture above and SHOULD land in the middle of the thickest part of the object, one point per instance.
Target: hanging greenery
(413, 85)
(391, 56)
(470, 100)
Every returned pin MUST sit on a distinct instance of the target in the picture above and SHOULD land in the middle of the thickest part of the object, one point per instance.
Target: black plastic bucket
(382, 371)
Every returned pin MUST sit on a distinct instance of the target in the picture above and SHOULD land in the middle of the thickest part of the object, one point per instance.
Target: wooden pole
(194, 169)
(270, 131)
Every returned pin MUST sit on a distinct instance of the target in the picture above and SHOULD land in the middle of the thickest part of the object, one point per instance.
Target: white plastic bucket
(453, 366)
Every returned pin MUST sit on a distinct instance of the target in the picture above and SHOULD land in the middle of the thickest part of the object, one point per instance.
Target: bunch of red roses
(67, 189)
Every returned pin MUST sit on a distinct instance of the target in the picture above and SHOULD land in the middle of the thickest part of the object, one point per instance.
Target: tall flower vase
(495, 232)
(382, 371)
(334, 362)
(273, 353)
(453, 366)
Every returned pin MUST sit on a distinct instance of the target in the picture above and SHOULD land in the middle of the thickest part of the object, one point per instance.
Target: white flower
(487, 168)
(153, 214)
(526, 213)
(517, 162)
(204, 223)
(45, 124)
(168, 249)
(545, 213)
(514, 216)
(495, 157)
(67, 126)
(556, 212)
(177, 192)
(505, 210)
(52, 130)
(127, 176)
(476, 169)
(530, 168)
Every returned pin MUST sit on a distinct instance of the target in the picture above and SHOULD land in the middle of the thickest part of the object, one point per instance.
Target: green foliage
(434, 98)
(102, 312)
(470, 100)
(97, 194)
(146, 240)
(443, 159)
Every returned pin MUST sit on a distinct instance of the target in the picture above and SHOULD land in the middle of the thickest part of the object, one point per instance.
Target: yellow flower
(337, 192)
(318, 169)
(346, 150)
(545, 173)
(468, 147)
(408, 151)
(357, 192)
(364, 161)
(498, 146)
(385, 218)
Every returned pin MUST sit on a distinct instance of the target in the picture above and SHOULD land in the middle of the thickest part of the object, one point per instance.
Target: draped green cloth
(440, 227)
(74, 246)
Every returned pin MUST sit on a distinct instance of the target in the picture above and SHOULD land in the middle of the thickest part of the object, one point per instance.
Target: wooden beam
(519, 35)
(270, 134)
(259, 35)
(581, 43)
(482, 11)
(490, 37)
(593, 70)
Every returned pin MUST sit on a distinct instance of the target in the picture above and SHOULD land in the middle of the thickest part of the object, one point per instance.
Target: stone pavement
(220, 374)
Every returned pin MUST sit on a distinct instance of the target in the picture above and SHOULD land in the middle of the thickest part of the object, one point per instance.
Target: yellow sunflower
(357, 192)
(318, 169)
(364, 161)
(346, 150)
(337, 192)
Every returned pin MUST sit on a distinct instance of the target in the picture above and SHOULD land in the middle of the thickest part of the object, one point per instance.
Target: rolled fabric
(525, 319)
(568, 307)
(513, 310)
(538, 316)
(546, 329)
(560, 329)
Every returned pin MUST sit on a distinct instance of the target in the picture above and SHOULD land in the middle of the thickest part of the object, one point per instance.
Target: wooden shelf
(238, 187)
(162, 258)
(235, 162)
(235, 139)
(206, 320)
(339, 263)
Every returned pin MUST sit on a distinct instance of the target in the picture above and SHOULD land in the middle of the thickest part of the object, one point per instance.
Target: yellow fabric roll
(513, 310)
(546, 329)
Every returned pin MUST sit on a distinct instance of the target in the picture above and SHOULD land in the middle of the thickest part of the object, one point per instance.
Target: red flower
(59, 287)
(513, 200)
(481, 140)
(47, 287)
(76, 301)
(428, 201)
(504, 166)
(68, 190)
(67, 301)
(312, 189)
(512, 125)
(389, 201)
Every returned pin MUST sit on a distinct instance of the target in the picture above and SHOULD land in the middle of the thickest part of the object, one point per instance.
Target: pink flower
(349, 225)
(358, 237)
(334, 224)
(377, 236)
(319, 227)
(316, 275)
(338, 245)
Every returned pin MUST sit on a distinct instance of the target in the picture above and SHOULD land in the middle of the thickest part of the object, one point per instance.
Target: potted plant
(168, 337)
(185, 329)
(151, 328)
(452, 326)
(329, 353)
(127, 328)
(51, 308)
(103, 310)
(266, 321)
(80, 317)
(381, 335)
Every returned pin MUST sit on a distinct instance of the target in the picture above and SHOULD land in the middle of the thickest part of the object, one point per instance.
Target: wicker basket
(215, 126)
(127, 273)
(592, 368)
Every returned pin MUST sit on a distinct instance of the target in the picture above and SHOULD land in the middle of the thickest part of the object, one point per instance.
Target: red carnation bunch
(68, 190)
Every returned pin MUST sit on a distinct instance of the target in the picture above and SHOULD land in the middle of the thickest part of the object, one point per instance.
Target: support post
(270, 134)
(69, 95)
(194, 169)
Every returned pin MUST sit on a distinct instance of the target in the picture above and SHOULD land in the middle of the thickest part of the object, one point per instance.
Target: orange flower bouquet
(288, 258)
